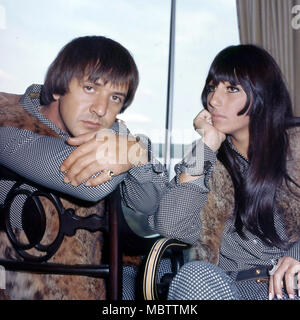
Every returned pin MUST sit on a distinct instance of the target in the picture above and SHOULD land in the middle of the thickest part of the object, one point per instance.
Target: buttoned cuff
(146, 172)
(294, 251)
(198, 161)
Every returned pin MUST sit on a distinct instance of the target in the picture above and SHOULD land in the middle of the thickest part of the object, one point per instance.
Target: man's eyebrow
(99, 84)
(120, 94)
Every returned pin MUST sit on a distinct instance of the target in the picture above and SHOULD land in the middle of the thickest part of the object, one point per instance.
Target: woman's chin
(221, 128)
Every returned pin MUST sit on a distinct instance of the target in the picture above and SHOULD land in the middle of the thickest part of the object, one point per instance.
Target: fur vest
(220, 204)
(82, 248)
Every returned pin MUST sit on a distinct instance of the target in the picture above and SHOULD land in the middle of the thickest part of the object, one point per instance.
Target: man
(89, 83)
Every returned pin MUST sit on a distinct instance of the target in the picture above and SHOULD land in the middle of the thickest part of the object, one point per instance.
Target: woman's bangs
(223, 73)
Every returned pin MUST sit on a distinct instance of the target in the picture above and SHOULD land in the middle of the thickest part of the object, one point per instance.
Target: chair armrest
(174, 248)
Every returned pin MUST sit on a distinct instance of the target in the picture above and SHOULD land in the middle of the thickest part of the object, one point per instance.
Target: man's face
(89, 106)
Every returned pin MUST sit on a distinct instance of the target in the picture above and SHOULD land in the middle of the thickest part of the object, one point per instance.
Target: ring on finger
(109, 173)
(273, 270)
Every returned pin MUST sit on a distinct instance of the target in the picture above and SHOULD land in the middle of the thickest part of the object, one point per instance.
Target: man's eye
(116, 99)
(89, 88)
(233, 89)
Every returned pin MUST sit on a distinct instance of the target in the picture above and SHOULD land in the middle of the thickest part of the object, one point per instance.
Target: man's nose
(99, 107)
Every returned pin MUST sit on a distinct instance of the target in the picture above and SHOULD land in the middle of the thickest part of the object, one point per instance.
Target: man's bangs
(114, 75)
(120, 75)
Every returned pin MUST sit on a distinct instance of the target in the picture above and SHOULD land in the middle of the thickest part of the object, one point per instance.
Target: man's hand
(211, 136)
(287, 268)
(102, 151)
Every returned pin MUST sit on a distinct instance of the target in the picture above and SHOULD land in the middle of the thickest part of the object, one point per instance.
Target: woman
(236, 197)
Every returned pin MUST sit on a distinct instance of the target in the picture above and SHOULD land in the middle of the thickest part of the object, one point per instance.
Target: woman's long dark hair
(270, 110)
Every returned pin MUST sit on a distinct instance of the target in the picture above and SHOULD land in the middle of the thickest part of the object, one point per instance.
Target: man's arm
(38, 159)
(34, 151)
(142, 186)
(146, 178)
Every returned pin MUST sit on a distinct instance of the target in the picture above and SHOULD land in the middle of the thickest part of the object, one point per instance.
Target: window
(32, 33)
(203, 28)
(35, 31)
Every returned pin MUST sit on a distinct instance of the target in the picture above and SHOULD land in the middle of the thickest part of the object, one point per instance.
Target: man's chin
(85, 131)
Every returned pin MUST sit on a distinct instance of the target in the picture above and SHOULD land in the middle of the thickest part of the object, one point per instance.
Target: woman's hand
(287, 268)
(211, 136)
(102, 151)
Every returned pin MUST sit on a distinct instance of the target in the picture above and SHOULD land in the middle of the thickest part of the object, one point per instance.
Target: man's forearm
(38, 158)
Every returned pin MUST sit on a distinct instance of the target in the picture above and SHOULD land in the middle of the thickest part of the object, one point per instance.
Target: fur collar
(220, 204)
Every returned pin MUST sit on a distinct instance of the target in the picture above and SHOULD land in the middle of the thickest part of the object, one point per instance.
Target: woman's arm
(179, 214)
(144, 185)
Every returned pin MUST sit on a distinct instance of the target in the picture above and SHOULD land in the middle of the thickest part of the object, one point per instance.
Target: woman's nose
(215, 98)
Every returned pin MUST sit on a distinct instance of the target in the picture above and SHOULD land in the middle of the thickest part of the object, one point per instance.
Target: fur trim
(220, 204)
(218, 208)
(82, 248)
(16, 116)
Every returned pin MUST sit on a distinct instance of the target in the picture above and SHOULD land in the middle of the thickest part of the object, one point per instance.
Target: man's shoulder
(30, 97)
(9, 98)
(15, 111)
(14, 115)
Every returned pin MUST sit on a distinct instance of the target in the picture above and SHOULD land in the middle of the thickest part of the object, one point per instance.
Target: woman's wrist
(184, 177)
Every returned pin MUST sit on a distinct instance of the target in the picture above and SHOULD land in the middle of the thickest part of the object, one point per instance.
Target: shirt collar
(31, 102)
(230, 143)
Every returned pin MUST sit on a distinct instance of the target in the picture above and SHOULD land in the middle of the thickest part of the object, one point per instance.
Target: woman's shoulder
(294, 130)
(294, 135)
(294, 143)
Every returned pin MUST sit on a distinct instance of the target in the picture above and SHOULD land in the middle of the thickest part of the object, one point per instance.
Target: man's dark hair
(95, 57)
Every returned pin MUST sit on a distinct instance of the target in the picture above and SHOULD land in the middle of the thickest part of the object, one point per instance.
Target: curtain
(273, 24)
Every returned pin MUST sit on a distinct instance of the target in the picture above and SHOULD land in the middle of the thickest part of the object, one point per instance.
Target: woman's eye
(211, 88)
(233, 89)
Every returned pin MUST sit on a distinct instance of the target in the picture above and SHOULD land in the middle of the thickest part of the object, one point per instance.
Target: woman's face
(224, 102)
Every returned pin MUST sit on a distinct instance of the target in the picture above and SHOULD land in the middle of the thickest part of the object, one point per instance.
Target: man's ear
(56, 96)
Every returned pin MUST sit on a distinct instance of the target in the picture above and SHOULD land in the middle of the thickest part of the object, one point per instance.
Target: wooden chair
(112, 224)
